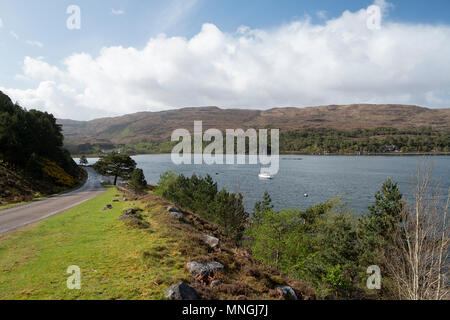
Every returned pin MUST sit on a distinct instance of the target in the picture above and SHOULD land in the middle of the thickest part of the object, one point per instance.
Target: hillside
(33, 161)
(158, 126)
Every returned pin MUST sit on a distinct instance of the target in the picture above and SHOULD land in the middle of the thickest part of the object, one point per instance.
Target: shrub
(202, 197)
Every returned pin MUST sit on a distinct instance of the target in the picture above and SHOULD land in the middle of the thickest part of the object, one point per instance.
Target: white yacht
(263, 175)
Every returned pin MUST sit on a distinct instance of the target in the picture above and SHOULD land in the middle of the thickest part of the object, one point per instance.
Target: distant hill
(158, 126)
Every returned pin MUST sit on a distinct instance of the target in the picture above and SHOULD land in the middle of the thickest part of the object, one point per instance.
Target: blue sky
(37, 29)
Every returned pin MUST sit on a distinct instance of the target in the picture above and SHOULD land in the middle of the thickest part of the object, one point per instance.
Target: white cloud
(14, 35)
(117, 12)
(39, 69)
(338, 62)
(35, 43)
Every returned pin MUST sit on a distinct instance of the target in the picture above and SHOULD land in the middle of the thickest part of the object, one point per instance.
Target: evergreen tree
(230, 214)
(83, 161)
(116, 165)
(261, 207)
(376, 227)
(137, 180)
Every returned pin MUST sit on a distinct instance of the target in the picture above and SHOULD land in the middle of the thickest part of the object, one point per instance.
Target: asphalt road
(18, 217)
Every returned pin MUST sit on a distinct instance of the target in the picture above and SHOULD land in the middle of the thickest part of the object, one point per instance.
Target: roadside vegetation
(128, 258)
(116, 261)
(33, 162)
(327, 245)
(322, 252)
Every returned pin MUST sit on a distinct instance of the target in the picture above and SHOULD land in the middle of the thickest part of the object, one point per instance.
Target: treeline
(32, 142)
(316, 141)
(377, 140)
(327, 245)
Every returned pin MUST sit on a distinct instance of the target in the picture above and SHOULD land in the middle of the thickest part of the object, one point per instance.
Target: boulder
(125, 217)
(212, 242)
(204, 269)
(173, 209)
(176, 215)
(287, 293)
(107, 207)
(130, 213)
(125, 199)
(181, 291)
(116, 200)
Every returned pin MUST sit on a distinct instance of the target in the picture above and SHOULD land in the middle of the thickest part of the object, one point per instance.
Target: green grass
(116, 261)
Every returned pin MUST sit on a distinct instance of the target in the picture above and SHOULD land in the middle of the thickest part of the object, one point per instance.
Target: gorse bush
(202, 196)
(51, 169)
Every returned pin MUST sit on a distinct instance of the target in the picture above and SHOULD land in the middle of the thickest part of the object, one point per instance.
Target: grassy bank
(113, 257)
(128, 260)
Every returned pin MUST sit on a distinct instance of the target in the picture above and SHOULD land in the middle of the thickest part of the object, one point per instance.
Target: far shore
(440, 153)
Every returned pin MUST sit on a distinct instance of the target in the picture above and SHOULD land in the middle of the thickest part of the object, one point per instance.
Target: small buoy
(306, 195)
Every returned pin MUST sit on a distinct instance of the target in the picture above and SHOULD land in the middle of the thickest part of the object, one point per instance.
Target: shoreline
(440, 153)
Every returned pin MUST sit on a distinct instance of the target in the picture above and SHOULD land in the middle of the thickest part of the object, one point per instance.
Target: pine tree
(137, 180)
(261, 207)
(376, 227)
(83, 161)
(116, 165)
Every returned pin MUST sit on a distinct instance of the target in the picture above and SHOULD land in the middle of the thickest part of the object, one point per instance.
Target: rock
(181, 291)
(130, 213)
(173, 209)
(215, 283)
(137, 216)
(107, 207)
(212, 242)
(125, 217)
(125, 199)
(204, 269)
(176, 215)
(287, 293)
(116, 200)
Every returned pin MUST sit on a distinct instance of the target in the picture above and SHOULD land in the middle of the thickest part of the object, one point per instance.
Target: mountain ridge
(158, 126)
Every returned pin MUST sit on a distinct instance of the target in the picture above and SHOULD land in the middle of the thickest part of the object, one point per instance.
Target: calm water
(356, 178)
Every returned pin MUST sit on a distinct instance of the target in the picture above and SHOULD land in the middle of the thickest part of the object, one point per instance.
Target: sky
(131, 56)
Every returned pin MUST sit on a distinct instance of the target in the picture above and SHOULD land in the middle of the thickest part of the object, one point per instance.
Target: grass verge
(116, 260)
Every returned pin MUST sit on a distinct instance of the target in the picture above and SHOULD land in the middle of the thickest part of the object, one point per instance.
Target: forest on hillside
(312, 141)
(32, 156)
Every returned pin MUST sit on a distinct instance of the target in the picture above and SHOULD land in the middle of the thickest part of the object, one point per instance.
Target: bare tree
(417, 260)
